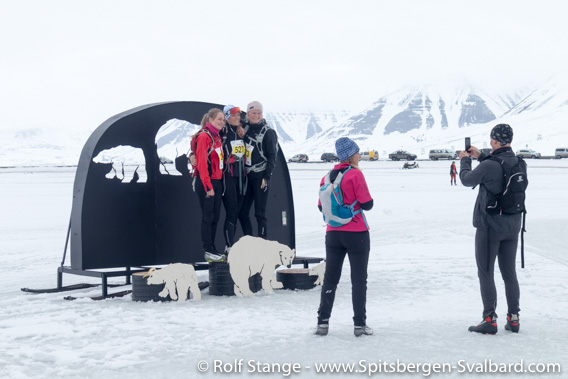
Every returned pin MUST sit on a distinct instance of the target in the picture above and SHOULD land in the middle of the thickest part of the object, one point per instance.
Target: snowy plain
(422, 289)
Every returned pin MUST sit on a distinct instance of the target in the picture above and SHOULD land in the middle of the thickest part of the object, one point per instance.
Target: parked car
(441, 154)
(299, 158)
(402, 154)
(528, 153)
(486, 150)
(329, 157)
(372, 155)
(561, 152)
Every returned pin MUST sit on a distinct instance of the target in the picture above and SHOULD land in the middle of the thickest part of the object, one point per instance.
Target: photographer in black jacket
(497, 233)
(261, 144)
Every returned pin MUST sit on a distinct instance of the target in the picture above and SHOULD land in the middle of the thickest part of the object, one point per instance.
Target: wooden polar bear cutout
(253, 255)
(179, 279)
(318, 270)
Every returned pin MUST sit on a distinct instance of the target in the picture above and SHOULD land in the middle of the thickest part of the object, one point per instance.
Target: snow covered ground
(422, 291)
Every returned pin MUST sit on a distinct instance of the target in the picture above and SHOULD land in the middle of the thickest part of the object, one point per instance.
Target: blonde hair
(213, 112)
(351, 161)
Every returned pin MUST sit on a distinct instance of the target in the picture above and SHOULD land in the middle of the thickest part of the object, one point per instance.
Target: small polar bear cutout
(179, 278)
(318, 270)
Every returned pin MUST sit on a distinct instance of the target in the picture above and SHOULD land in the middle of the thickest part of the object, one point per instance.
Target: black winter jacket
(489, 176)
(269, 143)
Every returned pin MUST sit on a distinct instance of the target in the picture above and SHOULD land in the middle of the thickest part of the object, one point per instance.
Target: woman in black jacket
(261, 144)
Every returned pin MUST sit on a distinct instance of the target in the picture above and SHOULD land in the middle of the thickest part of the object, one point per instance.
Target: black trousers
(233, 201)
(357, 246)
(210, 211)
(260, 198)
(489, 246)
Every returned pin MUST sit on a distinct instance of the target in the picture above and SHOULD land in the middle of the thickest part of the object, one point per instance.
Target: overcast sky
(73, 64)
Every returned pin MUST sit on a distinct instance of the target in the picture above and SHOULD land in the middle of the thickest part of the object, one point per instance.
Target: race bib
(238, 148)
(248, 154)
(219, 152)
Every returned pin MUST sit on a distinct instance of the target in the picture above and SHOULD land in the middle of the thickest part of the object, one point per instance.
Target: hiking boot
(215, 257)
(362, 330)
(487, 326)
(513, 323)
(322, 329)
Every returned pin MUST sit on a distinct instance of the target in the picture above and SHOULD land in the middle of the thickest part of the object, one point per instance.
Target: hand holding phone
(467, 144)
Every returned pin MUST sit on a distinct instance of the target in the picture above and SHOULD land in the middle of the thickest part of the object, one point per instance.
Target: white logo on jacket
(253, 255)
(179, 279)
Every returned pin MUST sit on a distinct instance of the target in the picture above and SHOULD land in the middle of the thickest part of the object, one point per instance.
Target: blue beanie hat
(345, 148)
(226, 110)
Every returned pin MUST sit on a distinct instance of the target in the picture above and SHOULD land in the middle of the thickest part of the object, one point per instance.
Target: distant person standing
(496, 233)
(453, 172)
(261, 143)
(351, 239)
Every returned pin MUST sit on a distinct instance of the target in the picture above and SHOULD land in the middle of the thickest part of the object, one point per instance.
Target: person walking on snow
(351, 239)
(496, 233)
(453, 172)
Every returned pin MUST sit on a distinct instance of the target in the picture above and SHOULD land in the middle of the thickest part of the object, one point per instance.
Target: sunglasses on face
(233, 111)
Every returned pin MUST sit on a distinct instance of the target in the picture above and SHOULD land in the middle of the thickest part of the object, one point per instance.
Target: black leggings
(357, 246)
(260, 198)
(232, 200)
(210, 211)
(504, 247)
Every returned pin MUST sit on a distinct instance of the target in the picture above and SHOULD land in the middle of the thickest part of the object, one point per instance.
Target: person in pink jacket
(351, 239)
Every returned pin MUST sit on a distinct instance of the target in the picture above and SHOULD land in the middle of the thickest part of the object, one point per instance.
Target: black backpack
(512, 199)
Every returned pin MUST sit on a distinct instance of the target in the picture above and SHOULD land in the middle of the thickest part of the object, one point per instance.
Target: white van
(441, 154)
(561, 152)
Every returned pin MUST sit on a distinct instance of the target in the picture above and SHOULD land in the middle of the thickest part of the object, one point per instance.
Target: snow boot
(362, 330)
(322, 329)
(513, 323)
(215, 257)
(487, 326)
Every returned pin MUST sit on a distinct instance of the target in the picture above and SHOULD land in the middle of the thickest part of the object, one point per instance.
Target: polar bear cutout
(179, 279)
(127, 163)
(253, 255)
(318, 270)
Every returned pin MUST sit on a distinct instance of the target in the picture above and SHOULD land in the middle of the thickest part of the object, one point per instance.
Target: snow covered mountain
(417, 119)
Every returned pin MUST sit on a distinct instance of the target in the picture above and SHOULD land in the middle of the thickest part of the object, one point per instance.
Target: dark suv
(401, 154)
(329, 157)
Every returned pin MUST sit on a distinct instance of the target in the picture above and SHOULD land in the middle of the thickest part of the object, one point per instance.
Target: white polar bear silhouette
(318, 270)
(128, 163)
(253, 255)
(179, 278)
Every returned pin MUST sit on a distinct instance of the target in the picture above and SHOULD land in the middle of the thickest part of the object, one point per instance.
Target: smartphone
(467, 144)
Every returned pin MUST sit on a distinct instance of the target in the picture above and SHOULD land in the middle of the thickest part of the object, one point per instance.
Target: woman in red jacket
(209, 179)
(351, 239)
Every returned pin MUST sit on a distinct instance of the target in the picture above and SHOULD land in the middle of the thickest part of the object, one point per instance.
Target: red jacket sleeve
(204, 144)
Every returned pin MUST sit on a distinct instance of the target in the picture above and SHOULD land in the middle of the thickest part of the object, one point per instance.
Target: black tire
(142, 291)
(292, 279)
(221, 283)
(409, 158)
(533, 156)
(558, 157)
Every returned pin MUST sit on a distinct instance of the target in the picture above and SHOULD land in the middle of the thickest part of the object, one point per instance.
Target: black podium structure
(120, 227)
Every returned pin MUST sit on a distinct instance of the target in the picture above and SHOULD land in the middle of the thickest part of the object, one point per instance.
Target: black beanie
(502, 133)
